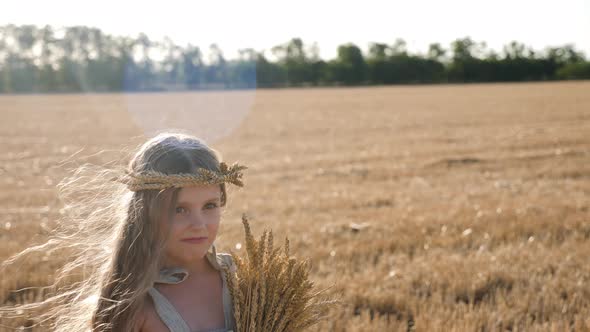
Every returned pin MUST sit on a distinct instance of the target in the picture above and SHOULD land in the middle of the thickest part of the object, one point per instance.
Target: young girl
(144, 244)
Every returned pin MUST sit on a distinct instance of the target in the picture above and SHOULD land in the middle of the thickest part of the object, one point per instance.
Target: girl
(144, 244)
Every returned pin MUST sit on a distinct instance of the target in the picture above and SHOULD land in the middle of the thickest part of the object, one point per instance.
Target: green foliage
(78, 58)
(350, 66)
(577, 70)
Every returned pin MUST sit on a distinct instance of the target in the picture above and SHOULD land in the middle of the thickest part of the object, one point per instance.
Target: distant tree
(192, 66)
(350, 66)
(436, 52)
(269, 74)
(514, 50)
(463, 49)
(243, 70)
(464, 67)
(566, 54)
(378, 66)
(216, 74)
(399, 48)
(46, 73)
(378, 51)
(293, 58)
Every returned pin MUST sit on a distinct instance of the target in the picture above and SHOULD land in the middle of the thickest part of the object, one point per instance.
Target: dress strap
(168, 313)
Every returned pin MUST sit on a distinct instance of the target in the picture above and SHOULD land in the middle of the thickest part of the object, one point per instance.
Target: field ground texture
(430, 208)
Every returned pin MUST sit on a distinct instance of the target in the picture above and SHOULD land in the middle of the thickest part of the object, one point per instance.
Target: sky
(262, 24)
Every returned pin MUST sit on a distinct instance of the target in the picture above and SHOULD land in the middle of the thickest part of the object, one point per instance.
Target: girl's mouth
(195, 239)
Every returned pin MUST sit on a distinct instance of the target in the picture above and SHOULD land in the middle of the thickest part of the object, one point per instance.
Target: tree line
(80, 59)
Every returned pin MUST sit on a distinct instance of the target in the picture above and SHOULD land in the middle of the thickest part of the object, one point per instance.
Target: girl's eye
(211, 205)
(180, 210)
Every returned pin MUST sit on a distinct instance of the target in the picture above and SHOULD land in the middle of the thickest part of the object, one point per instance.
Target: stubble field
(427, 208)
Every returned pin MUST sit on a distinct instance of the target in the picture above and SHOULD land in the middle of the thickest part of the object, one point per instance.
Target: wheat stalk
(271, 291)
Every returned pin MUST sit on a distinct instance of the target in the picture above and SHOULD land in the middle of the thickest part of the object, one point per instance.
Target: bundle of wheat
(271, 290)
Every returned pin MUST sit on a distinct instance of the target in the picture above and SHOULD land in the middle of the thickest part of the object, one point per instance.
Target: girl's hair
(114, 237)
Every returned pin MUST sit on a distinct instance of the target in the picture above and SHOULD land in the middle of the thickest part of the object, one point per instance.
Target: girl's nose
(198, 220)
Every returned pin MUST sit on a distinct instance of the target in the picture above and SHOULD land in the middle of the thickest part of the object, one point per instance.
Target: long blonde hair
(114, 238)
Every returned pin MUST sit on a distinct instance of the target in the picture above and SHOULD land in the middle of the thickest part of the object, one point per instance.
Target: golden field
(427, 208)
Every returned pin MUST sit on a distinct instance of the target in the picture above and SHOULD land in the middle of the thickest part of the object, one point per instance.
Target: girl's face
(194, 223)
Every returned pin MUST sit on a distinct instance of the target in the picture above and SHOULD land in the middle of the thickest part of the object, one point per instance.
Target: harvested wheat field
(426, 208)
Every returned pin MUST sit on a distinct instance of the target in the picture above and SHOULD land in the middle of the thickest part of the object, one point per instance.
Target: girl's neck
(200, 266)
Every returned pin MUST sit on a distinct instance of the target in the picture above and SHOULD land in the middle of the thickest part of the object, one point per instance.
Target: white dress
(170, 316)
